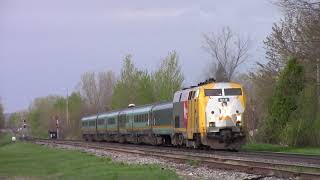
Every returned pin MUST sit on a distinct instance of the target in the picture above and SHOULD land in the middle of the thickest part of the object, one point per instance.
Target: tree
(145, 94)
(13, 121)
(125, 90)
(168, 78)
(2, 118)
(42, 112)
(284, 100)
(133, 87)
(303, 126)
(227, 50)
(76, 107)
(106, 83)
(97, 90)
(297, 34)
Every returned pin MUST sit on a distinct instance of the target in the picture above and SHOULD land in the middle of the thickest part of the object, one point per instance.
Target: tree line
(100, 92)
(284, 104)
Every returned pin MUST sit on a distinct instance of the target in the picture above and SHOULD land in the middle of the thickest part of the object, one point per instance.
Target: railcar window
(100, 122)
(163, 117)
(233, 92)
(111, 121)
(137, 118)
(92, 123)
(122, 120)
(213, 92)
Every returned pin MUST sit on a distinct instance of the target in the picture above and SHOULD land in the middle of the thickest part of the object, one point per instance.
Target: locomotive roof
(137, 109)
(89, 118)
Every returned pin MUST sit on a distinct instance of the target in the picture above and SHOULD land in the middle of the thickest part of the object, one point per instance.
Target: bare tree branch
(227, 50)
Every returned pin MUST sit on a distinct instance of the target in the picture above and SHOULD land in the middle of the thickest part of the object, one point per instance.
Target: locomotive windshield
(233, 92)
(213, 92)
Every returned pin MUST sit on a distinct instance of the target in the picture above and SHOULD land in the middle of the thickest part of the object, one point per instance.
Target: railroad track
(312, 159)
(223, 161)
(296, 158)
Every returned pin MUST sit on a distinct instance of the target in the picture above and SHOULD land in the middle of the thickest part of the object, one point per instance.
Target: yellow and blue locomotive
(209, 114)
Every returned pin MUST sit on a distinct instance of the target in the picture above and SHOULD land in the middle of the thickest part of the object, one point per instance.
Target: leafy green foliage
(5, 138)
(140, 87)
(168, 78)
(193, 162)
(284, 100)
(14, 120)
(303, 127)
(134, 86)
(41, 116)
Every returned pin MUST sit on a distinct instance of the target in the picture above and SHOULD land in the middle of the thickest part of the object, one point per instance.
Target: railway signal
(24, 124)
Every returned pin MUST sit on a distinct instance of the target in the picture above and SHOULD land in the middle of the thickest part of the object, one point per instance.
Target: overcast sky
(45, 45)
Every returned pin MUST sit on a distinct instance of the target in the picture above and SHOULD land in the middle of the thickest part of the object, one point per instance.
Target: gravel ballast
(184, 170)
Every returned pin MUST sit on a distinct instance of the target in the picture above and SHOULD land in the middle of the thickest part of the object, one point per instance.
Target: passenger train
(210, 114)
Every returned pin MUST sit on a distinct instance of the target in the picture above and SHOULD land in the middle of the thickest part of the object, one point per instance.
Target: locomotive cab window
(233, 92)
(213, 92)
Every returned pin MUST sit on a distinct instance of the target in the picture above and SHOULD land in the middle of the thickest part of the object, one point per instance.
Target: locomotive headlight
(239, 117)
(212, 124)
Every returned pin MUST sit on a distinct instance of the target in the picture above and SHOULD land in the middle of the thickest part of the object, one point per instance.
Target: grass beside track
(282, 149)
(5, 138)
(30, 161)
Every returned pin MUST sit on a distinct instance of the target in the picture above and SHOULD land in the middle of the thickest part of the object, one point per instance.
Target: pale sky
(45, 45)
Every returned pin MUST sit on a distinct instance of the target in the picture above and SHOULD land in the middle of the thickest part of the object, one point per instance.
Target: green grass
(5, 138)
(283, 149)
(193, 162)
(30, 160)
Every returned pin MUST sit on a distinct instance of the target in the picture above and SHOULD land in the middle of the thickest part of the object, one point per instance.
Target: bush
(303, 128)
(284, 101)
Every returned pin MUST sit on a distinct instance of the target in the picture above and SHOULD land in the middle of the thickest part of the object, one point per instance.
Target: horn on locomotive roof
(207, 81)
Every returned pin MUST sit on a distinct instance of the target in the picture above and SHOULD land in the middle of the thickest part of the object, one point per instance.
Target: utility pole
(318, 82)
(67, 109)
